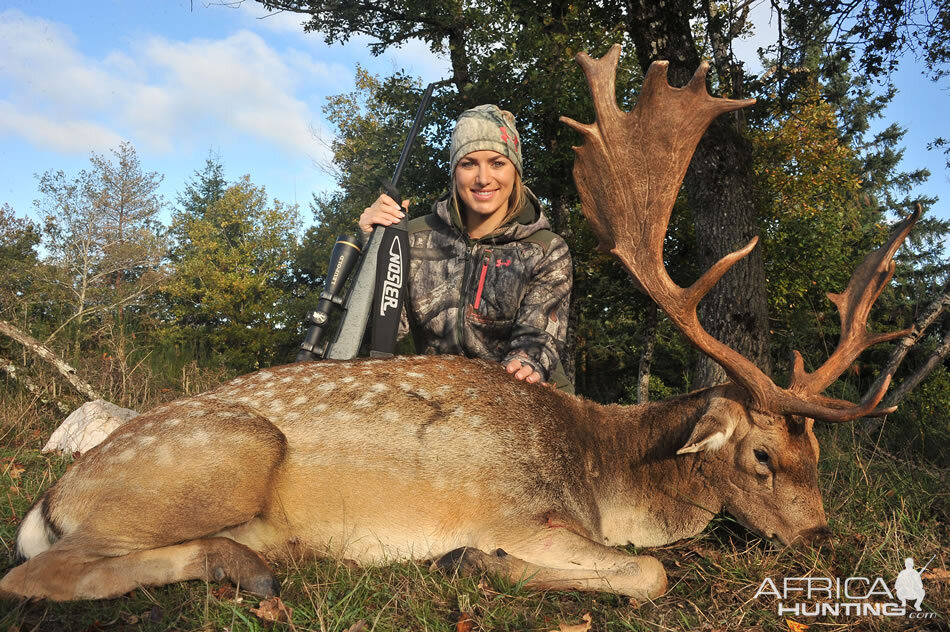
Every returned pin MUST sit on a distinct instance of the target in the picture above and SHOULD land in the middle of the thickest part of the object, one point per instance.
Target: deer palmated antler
(854, 304)
(628, 174)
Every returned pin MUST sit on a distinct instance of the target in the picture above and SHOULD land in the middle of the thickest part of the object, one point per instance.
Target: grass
(881, 508)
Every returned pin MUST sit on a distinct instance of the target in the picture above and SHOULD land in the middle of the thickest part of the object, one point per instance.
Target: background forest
(108, 298)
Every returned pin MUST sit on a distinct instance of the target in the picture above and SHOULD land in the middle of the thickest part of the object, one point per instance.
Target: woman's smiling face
(484, 181)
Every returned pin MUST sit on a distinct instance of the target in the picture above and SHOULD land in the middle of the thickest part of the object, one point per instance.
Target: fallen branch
(11, 371)
(935, 358)
(44, 352)
(900, 351)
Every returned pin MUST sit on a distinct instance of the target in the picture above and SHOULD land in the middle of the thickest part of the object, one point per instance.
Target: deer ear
(710, 433)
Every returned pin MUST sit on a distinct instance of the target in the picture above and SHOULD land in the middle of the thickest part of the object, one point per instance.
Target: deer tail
(36, 534)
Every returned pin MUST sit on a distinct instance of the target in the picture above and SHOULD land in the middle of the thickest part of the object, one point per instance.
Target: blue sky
(178, 79)
(175, 79)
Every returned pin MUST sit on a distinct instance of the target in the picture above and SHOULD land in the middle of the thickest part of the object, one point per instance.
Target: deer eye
(761, 456)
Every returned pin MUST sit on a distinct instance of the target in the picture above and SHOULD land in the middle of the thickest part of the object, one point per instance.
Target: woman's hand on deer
(383, 212)
(522, 371)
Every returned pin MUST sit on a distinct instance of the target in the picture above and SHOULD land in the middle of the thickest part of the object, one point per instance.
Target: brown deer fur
(451, 459)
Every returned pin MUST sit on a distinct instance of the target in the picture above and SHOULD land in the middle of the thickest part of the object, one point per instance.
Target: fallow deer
(450, 459)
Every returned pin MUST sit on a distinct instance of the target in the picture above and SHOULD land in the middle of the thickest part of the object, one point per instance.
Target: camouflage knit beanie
(486, 127)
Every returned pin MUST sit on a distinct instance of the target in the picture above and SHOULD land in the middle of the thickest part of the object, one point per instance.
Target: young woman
(488, 279)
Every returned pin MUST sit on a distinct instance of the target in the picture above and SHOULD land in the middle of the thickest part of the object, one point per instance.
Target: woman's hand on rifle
(383, 212)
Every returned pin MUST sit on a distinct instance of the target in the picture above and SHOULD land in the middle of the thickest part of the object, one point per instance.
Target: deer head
(628, 173)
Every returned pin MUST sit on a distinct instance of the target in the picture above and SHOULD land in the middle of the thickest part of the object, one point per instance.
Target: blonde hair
(516, 200)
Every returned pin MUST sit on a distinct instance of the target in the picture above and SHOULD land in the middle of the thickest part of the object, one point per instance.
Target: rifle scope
(343, 258)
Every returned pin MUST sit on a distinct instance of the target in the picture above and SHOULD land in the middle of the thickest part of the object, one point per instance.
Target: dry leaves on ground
(14, 470)
(465, 623)
(937, 575)
(273, 609)
(577, 627)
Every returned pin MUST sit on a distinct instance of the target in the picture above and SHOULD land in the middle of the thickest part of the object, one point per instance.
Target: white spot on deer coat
(164, 456)
(365, 401)
(344, 415)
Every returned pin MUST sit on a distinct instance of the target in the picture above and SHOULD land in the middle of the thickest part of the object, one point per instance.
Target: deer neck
(647, 494)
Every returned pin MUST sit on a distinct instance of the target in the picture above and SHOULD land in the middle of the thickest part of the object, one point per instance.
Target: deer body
(374, 461)
(448, 458)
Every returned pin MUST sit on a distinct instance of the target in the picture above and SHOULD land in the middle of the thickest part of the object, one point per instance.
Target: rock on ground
(87, 426)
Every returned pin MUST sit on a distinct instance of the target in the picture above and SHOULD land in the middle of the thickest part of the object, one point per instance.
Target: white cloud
(40, 59)
(414, 56)
(68, 136)
(159, 92)
(417, 59)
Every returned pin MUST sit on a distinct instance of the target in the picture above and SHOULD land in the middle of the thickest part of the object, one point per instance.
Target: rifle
(379, 285)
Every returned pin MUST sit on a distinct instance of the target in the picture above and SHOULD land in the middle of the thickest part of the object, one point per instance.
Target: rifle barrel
(413, 132)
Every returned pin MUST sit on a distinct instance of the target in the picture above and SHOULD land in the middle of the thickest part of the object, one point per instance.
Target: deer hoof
(263, 586)
(463, 561)
(243, 567)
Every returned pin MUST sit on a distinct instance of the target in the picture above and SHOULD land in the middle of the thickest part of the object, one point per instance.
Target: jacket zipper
(481, 280)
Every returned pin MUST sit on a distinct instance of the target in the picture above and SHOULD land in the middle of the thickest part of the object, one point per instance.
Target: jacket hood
(529, 220)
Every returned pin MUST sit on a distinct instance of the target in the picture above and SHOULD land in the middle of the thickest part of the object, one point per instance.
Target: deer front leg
(65, 573)
(559, 559)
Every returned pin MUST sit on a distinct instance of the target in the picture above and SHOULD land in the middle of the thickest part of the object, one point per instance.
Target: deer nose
(814, 537)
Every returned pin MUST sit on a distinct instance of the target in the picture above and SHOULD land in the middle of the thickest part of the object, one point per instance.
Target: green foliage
(880, 32)
(204, 189)
(232, 280)
(920, 429)
(103, 252)
(19, 238)
(817, 225)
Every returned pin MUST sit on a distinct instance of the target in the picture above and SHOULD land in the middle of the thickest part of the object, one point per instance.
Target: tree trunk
(718, 186)
(458, 56)
(44, 352)
(646, 358)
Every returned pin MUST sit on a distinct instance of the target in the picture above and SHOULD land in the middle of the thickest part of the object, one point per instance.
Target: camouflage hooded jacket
(503, 296)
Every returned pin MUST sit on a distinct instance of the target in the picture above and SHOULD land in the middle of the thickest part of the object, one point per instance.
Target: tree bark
(44, 352)
(719, 187)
